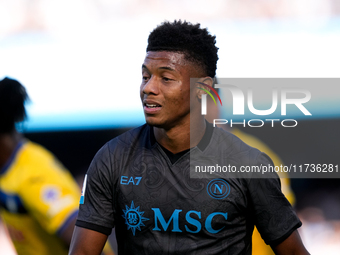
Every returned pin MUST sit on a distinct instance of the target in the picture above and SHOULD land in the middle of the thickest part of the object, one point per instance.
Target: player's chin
(156, 122)
(152, 121)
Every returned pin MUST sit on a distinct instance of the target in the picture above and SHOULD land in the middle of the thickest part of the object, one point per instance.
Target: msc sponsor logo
(133, 218)
(193, 226)
(193, 220)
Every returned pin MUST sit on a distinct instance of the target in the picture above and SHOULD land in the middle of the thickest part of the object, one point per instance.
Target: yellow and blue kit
(38, 198)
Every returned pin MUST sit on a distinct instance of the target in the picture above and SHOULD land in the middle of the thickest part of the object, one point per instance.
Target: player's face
(165, 89)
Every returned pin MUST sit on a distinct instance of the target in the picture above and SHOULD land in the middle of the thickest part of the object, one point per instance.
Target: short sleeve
(50, 193)
(96, 204)
(274, 216)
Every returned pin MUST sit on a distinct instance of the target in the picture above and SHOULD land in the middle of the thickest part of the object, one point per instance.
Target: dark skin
(8, 143)
(165, 93)
(166, 83)
(86, 241)
(292, 246)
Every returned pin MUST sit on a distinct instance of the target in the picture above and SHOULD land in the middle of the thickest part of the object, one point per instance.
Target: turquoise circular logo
(218, 188)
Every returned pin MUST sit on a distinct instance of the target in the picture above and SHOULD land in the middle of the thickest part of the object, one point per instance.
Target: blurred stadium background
(80, 62)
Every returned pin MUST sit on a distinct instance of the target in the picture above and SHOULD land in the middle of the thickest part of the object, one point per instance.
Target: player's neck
(177, 139)
(8, 143)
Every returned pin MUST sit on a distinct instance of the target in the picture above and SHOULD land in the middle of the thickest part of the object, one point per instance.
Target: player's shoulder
(232, 149)
(32, 154)
(232, 144)
(32, 162)
(119, 151)
(129, 140)
(32, 149)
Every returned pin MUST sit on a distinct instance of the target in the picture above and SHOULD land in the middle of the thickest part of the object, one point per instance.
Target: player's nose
(151, 86)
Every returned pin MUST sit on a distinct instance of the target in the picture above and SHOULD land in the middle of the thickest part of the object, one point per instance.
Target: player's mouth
(151, 107)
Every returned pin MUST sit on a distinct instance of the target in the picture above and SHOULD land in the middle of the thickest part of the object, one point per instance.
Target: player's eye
(166, 79)
(146, 77)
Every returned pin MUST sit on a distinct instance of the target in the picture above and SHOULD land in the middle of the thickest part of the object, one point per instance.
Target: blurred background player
(38, 196)
(213, 112)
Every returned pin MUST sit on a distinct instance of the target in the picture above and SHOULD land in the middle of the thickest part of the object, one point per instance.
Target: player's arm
(66, 234)
(51, 195)
(96, 212)
(275, 218)
(87, 242)
(291, 246)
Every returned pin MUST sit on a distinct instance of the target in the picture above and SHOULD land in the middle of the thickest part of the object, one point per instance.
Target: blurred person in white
(38, 196)
(5, 241)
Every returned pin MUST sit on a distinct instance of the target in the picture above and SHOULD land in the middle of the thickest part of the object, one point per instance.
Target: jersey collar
(201, 145)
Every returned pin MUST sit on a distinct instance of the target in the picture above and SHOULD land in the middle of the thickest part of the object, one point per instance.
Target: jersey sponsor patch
(133, 218)
(82, 197)
(50, 194)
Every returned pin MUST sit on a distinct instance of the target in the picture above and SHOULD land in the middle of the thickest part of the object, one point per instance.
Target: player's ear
(203, 84)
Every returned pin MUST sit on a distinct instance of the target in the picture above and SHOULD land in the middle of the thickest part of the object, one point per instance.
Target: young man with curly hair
(38, 196)
(140, 181)
(33, 184)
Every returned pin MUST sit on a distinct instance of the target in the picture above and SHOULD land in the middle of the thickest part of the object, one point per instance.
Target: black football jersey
(158, 206)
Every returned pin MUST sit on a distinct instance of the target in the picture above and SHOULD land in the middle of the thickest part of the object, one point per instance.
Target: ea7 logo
(126, 180)
(239, 98)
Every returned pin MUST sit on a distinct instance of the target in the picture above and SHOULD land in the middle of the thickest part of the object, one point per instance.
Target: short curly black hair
(12, 104)
(196, 43)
